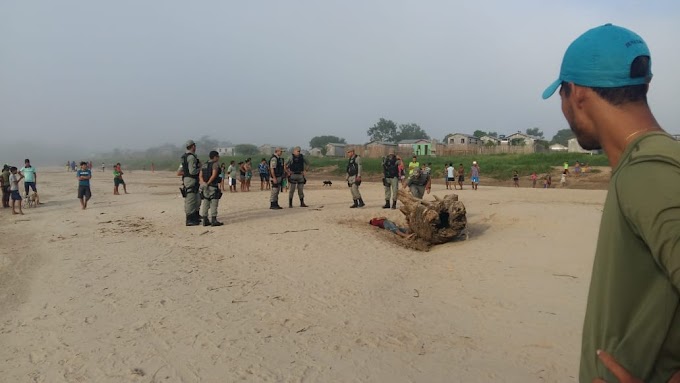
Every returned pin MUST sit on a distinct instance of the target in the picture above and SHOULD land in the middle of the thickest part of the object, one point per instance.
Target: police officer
(354, 178)
(391, 179)
(210, 189)
(419, 182)
(277, 172)
(189, 170)
(296, 167)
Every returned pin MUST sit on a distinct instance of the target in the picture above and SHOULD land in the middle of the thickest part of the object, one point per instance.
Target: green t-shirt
(633, 307)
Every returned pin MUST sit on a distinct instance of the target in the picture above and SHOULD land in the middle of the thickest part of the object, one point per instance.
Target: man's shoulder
(656, 147)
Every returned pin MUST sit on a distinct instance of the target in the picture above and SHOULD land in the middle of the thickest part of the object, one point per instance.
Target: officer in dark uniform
(419, 182)
(296, 167)
(391, 179)
(189, 170)
(277, 172)
(354, 178)
(210, 190)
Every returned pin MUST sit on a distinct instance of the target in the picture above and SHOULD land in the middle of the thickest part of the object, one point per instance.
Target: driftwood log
(435, 222)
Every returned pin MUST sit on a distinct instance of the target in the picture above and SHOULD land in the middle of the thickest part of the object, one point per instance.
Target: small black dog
(327, 183)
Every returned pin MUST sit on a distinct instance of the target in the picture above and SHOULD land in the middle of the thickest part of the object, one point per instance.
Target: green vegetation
(499, 166)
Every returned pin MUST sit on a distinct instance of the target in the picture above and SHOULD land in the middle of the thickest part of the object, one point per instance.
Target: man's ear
(580, 95)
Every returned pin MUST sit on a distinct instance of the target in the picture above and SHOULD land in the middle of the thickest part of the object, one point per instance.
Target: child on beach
(547, 181)
(533, 179)
(118, 179)
(14, 179)
(515, 179)
(563, 179)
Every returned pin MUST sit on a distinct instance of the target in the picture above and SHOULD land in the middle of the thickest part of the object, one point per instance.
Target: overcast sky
(96, 74)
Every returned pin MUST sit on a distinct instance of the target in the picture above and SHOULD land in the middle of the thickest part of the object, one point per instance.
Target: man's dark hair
(27, 160)
(213, 154)
(83, 163)
(263, 160)
(12, 168)
(624, 94)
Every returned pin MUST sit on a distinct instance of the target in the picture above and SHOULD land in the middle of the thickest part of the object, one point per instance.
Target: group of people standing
(9, 182)
(203, 184)
(453, 175)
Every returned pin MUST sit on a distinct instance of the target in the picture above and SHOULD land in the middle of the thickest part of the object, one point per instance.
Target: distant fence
(448, 150)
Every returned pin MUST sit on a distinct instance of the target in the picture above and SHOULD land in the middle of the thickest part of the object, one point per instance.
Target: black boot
(355, 204)
(361, 202)
(302, 203)
(190, 220)
(387, 204)
(275, 206)
(206, 221)
(215, 222)
(394, 205)
(290, 202)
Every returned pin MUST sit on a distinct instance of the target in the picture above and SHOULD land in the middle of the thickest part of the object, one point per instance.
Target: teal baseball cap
(601, 58)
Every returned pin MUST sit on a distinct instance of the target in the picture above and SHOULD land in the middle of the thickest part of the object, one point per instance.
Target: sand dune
(124, 292)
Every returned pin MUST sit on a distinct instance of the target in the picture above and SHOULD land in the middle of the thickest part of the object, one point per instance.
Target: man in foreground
(632, 324)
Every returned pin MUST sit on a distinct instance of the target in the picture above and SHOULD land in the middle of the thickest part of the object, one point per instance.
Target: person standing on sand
(4, 183)
(419, 182)
(14, 179)
(223, 175)
(515, 179)
(391, 179)
(249, 173)
(413, 166)
(533, 180)
(461, 176)
(189, 170)
(631, 331)
(277, 171)
(354, 178)
(296, 169)
(263, 169)
(232, 170)
(30, 177)
(118, 179)
(84, 193)
(450, 177)
(209, 175)
(474, 175)
(563, 179)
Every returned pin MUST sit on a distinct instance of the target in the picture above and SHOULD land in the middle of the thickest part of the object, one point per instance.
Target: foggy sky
(96, 75)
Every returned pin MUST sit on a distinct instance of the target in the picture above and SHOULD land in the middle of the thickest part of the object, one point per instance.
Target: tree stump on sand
(434, 222)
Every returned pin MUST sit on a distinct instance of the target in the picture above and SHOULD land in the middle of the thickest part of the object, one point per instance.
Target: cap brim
(550, 90)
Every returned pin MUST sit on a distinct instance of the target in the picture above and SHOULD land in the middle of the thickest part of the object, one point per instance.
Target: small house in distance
(462, 139)
(315, 152)
(335, 150)
(226, 152)
(419, 147)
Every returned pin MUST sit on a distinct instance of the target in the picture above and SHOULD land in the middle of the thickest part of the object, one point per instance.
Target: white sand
(125, 292)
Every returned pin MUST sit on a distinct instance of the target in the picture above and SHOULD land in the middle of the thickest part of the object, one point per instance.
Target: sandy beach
(124, 292)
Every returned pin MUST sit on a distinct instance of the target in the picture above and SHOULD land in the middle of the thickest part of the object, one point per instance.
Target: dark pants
(5, 196)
